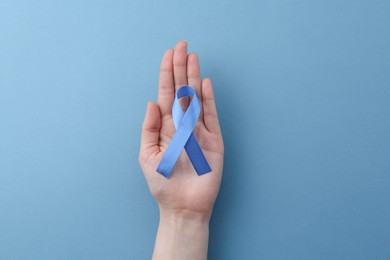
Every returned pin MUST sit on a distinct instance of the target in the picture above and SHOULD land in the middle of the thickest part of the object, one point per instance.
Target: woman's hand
(185, 199)
(184, 190)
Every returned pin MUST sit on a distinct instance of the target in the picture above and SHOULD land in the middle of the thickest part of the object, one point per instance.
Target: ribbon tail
(196, 156)
(174, 150)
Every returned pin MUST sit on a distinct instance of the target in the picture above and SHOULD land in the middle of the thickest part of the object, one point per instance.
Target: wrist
(178, 217)
(182, 234)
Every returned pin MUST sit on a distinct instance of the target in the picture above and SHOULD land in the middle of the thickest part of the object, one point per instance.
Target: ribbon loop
(184, 137)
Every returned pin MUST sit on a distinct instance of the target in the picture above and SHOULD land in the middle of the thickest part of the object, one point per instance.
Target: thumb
(150, 132)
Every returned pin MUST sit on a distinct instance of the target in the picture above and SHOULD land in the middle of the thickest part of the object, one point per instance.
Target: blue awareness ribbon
(184, 137)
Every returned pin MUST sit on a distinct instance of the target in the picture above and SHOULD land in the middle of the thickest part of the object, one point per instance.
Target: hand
(185, 199)
(185, 191)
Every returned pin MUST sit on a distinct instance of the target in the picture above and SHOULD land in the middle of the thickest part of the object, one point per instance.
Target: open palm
(184, 190)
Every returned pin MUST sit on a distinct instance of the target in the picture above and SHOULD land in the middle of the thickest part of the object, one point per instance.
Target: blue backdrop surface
(303, 92)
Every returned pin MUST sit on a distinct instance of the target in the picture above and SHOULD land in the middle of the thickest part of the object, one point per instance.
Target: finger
(150, 132)
(210, 116)
(193, 74)
(180, 64)
(166, 86)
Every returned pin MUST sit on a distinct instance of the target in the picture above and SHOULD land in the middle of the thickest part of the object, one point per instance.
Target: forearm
(182, 235)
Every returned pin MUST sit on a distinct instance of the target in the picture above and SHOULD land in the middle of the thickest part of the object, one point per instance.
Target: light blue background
(303, 92)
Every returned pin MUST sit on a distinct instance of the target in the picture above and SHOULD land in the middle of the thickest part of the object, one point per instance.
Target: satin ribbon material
(184, 137)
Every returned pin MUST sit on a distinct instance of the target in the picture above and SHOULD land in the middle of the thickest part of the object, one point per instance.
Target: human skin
(185, 200)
